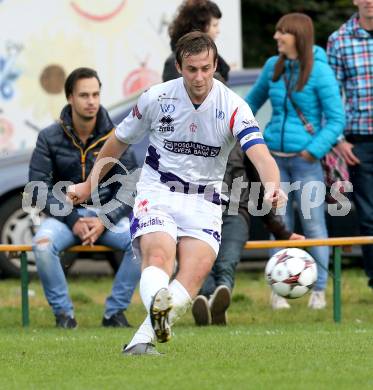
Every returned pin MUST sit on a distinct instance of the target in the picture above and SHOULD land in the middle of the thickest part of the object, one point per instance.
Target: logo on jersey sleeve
(136, 113)
(246, 123)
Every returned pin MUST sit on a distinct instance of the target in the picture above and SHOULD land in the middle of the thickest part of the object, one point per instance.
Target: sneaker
(140, 349)
(66, 322)
(117, 320)
(159, 311)
(278, 302)
(317, 300)
(219, 303)
(201, 311)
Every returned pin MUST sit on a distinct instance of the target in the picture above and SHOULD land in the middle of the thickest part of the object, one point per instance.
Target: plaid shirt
(350, 51)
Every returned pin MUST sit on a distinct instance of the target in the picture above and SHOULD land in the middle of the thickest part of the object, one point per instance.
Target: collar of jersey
(205, 104)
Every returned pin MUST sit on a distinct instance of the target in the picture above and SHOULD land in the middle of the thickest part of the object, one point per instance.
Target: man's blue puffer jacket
(60, 156)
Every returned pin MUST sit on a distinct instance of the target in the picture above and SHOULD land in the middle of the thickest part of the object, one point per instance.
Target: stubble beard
(86, 118)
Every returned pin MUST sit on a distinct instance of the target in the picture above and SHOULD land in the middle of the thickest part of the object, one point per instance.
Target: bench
(336, 243)
(22, 251)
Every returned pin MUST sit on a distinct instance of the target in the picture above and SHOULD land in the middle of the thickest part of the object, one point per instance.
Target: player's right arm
(130, 131)
(107, 157)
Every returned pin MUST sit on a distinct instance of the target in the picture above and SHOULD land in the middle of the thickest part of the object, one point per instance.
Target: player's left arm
(268, 172)
(246, 130)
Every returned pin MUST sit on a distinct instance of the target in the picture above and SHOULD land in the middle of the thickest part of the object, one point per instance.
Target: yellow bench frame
(337, 243)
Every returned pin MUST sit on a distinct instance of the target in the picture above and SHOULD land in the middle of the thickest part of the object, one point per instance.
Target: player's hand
(345, 149)
(96, 228)
(80, 229)
(276, 198)
(296, 236)
(78, 193)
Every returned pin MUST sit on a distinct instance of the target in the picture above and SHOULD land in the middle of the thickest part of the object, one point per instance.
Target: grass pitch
(260, 349)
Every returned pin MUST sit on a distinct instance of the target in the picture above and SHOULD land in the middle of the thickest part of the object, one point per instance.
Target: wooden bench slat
(76, 248)
(334, 241)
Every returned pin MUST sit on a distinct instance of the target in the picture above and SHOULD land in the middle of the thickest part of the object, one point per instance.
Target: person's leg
(235, 232)
(165, 301)
(311, 206)
(196, 258)
(362, 181)
(201, 310)
(51, 238)
(128, 274)
(233, 237)
(287, 212)
(158, 253)
(212, 299)
(209, 284)
(285, 165)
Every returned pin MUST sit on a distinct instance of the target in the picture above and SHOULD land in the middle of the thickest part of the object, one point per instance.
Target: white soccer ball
(291, 272)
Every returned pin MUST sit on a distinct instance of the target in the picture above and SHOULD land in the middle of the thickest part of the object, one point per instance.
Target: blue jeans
(53, 278)
(362, 181)
(297, 169)
(235, 233)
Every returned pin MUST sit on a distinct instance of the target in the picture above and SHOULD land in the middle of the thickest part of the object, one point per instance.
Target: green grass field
(260, 349)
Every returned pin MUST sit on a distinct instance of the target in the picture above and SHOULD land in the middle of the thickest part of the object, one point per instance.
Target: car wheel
(16, 228)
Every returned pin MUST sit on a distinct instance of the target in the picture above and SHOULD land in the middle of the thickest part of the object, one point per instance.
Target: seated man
(65, 152)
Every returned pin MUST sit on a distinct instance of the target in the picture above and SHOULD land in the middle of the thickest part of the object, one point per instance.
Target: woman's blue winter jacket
(319, 100)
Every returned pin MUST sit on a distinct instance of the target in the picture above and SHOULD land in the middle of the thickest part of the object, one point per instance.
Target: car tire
(16, 228)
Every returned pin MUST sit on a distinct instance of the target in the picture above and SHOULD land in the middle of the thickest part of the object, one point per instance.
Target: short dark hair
(192, 43)
(78, 74)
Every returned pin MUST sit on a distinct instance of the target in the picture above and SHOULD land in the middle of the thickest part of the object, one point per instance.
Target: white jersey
(189, 147)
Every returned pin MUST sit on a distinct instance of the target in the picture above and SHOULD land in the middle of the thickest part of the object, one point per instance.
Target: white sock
(181, 301)
(145, 333)
(152, 280)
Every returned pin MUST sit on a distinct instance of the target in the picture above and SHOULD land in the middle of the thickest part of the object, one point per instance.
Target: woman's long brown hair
(301, 26)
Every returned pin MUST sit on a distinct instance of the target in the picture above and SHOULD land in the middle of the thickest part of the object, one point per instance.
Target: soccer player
(193, 123)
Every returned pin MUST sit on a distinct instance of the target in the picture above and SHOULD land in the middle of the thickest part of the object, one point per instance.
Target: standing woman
(307, 119)
(201, 15)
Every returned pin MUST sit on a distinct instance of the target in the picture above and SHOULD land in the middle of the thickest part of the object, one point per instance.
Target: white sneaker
(278, 302)
(317, 300)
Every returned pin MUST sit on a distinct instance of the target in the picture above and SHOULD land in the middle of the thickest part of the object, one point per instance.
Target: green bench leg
(337, 267)
(24, 288)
